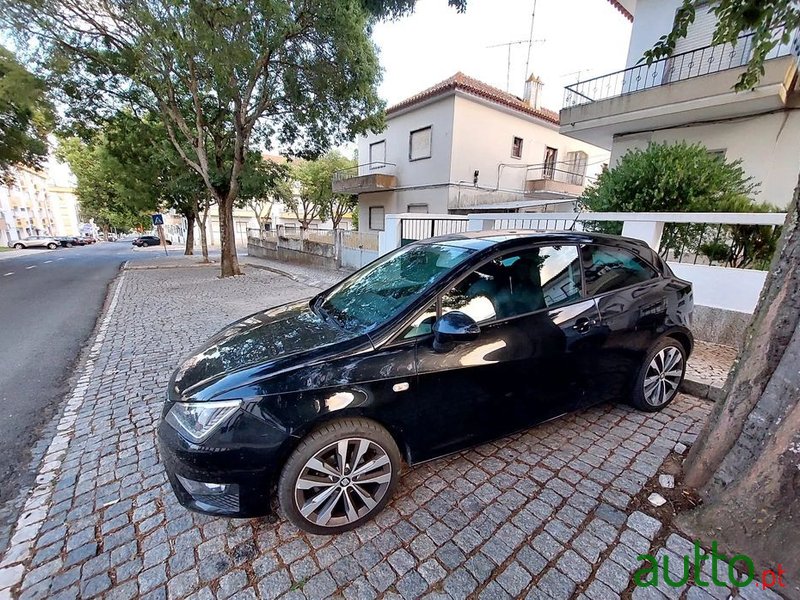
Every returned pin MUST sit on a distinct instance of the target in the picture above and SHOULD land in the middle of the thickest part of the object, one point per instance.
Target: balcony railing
(679, 67)
(364, 169)
(561, 172)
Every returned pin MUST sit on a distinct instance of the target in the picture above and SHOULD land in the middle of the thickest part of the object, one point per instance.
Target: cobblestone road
(543, 514)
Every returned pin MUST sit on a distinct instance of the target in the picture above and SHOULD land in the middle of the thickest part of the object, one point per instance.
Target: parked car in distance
(440, 345)
(68, 241)
(36, 241)
(148, 240)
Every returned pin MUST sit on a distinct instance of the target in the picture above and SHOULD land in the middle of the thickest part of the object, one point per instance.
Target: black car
(148, 240)
(441, 345)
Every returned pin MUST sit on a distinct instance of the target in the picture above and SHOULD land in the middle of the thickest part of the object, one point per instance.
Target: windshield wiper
(316, 307)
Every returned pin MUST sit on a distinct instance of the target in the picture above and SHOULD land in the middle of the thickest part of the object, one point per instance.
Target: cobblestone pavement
(710, 363)
(549, 513)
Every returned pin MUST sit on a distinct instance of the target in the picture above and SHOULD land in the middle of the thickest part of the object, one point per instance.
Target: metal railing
(423, 227)
(562, 172)
(679, 67)
(364, 169)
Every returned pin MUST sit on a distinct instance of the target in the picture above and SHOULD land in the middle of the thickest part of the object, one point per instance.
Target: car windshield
(383, 289)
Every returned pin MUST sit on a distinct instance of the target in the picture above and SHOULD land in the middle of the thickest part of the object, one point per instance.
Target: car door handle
(583, 324)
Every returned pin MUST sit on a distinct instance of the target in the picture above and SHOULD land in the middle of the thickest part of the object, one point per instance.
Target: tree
(265, 182)
(26, 117)
(746, 461)
(104, 193)
(315, 197)
(685, 177)
(222, 76)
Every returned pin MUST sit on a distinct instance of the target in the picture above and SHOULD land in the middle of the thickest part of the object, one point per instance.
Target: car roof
(510, 238)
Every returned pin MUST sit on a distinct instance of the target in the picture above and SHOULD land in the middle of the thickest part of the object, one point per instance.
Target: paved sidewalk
(549, 513)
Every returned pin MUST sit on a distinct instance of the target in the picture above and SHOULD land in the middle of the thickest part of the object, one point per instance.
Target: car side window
(518, 283)
(421, 325)
(610, 269)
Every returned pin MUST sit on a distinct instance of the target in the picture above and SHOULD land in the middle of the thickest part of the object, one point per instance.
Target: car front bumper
(232, 480)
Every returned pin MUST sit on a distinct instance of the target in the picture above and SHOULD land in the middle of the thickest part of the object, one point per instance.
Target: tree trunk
(190, 219)
(746, 462)
(203, 216)
(229, 263)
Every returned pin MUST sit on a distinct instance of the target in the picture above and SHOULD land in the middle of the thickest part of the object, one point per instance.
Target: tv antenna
(577, 74)
(517, 43)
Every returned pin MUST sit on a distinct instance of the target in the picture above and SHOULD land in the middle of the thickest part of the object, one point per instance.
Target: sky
(435, 42)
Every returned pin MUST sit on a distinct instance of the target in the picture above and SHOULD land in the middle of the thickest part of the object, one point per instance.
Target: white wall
(434, 170)
(768, 145)
(722, 287)
(653, 18)
(482, 138)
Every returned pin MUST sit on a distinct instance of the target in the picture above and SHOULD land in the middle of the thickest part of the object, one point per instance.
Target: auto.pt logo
(653, 573)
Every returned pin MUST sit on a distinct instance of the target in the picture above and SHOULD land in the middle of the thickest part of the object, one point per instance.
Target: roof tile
(462, 82)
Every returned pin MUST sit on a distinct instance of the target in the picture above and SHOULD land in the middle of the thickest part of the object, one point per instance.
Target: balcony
(551, 179)
(688, 87)
(367, 177)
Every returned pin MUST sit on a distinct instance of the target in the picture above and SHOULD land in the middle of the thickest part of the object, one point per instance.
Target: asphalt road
(49, 303)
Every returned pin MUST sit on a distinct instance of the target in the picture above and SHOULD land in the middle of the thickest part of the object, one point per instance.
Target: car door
(519, 371)
(632, 303)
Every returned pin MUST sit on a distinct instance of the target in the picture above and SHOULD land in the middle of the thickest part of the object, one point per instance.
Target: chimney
(533, 91)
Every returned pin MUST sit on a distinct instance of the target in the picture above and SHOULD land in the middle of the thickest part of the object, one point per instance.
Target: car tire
(19, 246)
(340, 503)
(660, 376)
(52, 246)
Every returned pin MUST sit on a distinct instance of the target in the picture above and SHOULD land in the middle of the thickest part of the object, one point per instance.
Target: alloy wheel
(663, 376)
(343, 482)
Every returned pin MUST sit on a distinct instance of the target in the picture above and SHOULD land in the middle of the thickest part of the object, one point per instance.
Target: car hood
(270, 335)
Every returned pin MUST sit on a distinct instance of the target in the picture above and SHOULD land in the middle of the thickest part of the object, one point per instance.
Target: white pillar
(647, 231)
(476, 224)
(389, 238)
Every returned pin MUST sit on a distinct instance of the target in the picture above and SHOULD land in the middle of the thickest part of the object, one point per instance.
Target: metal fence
(422, 228)
(363, 169)
(679, 67)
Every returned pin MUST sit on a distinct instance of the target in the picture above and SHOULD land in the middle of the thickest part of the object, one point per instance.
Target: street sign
(158, 220)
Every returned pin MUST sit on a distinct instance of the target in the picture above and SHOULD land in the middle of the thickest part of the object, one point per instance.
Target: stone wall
(291, 250)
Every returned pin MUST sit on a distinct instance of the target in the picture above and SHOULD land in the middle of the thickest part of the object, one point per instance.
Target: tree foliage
(768, 22)
(685, 177)
(26, 116)
(105, 193)
(315, 197)
(223, 76)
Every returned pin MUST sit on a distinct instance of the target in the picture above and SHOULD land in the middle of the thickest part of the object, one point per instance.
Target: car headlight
(196, 420)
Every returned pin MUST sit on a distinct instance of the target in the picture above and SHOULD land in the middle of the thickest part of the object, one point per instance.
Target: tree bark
(203, 214)
(190, 219)
(746, 462)
(229, 265)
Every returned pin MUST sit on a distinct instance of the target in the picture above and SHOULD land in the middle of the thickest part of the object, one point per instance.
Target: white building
(689, 97)
(32, 204)
(462, 146)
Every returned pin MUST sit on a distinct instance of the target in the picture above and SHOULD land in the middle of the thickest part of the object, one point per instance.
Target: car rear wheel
(52, 246)
(339, 477)
(660, 376)
(19, 246)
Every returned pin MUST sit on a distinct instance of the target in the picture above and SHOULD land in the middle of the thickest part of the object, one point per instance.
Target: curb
(704, 391)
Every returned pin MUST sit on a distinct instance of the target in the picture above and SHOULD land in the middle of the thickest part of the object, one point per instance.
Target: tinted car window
(518, 283)
(422, 324)
(387, 286)
(610, 269)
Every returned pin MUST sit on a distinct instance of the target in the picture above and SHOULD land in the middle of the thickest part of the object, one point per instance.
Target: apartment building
(689, 97)
(461, 146)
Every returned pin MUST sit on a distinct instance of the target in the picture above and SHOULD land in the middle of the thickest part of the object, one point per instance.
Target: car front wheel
(52, 246)
(339, 477)
(660, 375)
(18, 246)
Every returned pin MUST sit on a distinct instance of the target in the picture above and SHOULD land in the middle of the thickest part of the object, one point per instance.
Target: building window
(377, 215)
(377, 154)
(576, 167)
(419, 144)
(516, 147)
(550, 158)
(418, 208)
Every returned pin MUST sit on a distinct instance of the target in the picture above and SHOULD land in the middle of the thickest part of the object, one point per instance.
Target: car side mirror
(451, 328)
